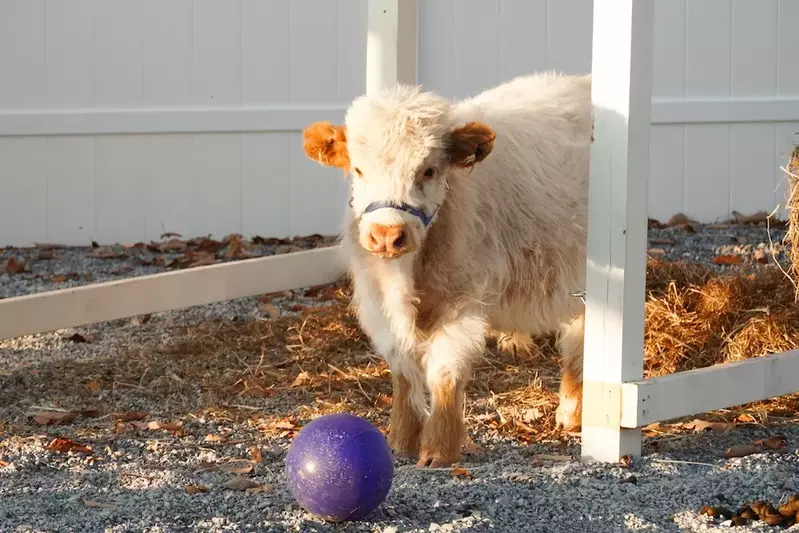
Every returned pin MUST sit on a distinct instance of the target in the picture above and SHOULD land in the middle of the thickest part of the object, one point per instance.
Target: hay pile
(792, 235)
(320, 363)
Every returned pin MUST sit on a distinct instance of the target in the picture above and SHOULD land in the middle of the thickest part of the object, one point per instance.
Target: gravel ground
(136, 480)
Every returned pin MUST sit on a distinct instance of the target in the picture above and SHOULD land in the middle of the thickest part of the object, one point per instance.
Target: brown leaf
(656, 251)
(703, 425)
(726, 260)
(269, 308)
(81, 337)
(60, 278)
(742, 450)
(15, 267)
(285, 424)
(168, 426)
(94, 385)
(237, 467)
(214, 438)
(761, 256)
(662, 241)
(255, 453)
(261, 489)
(105, 252)
(240, 483)
(98, 505)
(4, 464)
(173, 245)
(461, 472)
(130, 416)
(302, 379)
(63, 445)
(53, 418)
(626, 461)
(195, 489)
(237, 248)
(774, 442)
(250, 388)
(470, 447)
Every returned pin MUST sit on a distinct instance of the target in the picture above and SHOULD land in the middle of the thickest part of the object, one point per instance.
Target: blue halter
(415, 211)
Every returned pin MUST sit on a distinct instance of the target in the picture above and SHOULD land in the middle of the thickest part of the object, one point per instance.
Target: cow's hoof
(434, 462)
(515, 343)
(568, 415)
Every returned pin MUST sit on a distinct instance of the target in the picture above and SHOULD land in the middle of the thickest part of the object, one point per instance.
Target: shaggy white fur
(506, 175)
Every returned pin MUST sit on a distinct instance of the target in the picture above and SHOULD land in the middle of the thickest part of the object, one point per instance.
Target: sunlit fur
(507, 246)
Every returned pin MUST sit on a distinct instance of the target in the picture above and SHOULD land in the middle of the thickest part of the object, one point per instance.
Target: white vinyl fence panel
(124, 119)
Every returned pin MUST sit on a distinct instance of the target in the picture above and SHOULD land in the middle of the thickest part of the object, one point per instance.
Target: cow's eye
(428, 173)
(358, 171)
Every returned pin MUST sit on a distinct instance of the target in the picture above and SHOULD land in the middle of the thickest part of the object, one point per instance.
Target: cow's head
(401, 148)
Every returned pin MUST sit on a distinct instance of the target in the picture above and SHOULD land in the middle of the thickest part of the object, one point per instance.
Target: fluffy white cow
(466, 219)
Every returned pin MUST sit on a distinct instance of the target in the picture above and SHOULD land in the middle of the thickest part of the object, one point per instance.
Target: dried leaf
(195, 489)
(4, 464)
(130, 416)
(269, 308)
(63, 445)
(775, 442)
(302, 379)
(15, 267)
(656, 251)
(81, 337)
(742, 450)
(255, 453)
(626, 461)
(53, 418)
(662, 241)
(94, 385)
(237, 467)
(98, 505)
(214, 438)
(168, 426)
(250, 388)
(60, 278)
(470, 447)
(726, 260)
(105, 252)
(173, 245)
(285, 424)
(241, 483)
(261, 489)
(703, 425)
(461, 472)
(761, 256)
(236, 247)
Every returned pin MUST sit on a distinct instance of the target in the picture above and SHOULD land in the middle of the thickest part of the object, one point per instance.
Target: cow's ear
(470, 144)
(327, 144)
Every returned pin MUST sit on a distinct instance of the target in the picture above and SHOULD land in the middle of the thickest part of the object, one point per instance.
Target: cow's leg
(408, 398)
(514, 342)
(448, 365)
(570, 345)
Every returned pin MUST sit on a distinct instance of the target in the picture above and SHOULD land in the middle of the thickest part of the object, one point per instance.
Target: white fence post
(616, 262)
(392, 43)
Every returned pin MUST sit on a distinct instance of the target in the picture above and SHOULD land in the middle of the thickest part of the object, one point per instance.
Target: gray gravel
(135, 481)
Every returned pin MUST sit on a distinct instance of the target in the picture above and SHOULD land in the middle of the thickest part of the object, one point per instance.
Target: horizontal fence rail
(65, 308)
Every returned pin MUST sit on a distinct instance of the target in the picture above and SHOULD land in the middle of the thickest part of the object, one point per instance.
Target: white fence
(122, 119)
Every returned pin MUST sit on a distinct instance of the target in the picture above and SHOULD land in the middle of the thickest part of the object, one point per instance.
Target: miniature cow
(467, 219)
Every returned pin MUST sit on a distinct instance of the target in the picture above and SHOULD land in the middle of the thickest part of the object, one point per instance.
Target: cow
(466, 220)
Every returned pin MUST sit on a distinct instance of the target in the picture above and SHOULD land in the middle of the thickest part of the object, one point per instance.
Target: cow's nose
(390, 240)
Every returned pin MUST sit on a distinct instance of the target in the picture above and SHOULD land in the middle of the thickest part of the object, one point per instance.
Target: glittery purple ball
(339, 467)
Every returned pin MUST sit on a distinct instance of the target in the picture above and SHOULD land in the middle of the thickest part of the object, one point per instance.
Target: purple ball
(339, 467)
